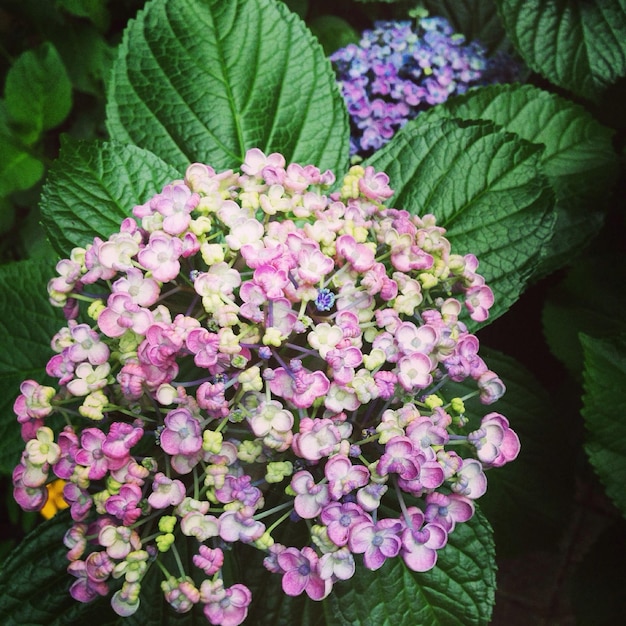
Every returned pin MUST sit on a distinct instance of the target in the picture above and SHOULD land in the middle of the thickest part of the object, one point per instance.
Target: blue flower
(398, 71)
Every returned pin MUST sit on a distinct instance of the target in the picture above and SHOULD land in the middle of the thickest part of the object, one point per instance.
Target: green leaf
(459, 590)
(333, 32)
(88, 59)
(604, 408)
(205, 80)
(95, 10)
(38, 92)
(476, 19)
(585, 300)
(576, 44)
(35, 583)
(485, 186)
(19, 169)
(7, 215)
(27, 323)
(578, 159)
(528, 501)
(92, 187)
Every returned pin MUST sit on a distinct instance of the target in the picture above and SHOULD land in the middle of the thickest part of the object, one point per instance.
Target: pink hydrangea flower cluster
(256, 351)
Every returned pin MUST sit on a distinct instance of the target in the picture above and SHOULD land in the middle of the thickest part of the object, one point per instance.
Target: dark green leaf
(528, 501)
(88, 59)
(27, 324)
(576, 44)
(92, 187)
(476, 19)
(585, 300)
(95, 10)
(35, 583)
(604, 410)
(579, 159)
(333, 32)
(19, 168)
(205, 80)
(459, 590)
(38, 92)
(485, 186)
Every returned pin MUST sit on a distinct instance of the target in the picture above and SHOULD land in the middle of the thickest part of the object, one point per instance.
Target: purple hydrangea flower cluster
(397, 71)
(252, 351)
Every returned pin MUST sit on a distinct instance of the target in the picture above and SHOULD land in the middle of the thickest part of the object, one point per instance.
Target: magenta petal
(294, 583)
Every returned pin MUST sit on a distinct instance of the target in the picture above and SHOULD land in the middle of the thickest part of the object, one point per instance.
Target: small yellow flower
(55, 502)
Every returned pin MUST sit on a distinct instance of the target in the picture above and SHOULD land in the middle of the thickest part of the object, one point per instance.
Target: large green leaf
(485, 186)
(459, 590)
(27, 323)
(576, 44)
(205, 80)
(19, 168)
(38, 92)
(92, 187)
(35, 588)
(528, 501)
(604, 410)
(476, 19)
(579, 159)
(585, 300)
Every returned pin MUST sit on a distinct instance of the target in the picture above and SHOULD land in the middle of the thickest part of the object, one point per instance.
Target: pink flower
(121, 438)
(166, 492)
(491, 387)
(271, 281)
(142, 290)
(125, 504)
(200, 525)
(161, 256)
(90, 453)
(447, 510)
(310, 497)
(182, 433)
(300, 388)
(237, 526)
(34, 401)
(343, 362)
(414, 371)
(478, 301)
(377, 542)
(161, 346)
(495, 442)
(84, 589)
(313, 265)
(412, 339)
(360, 256)
(209, 560)
(420, 542)
(343, 477)
(375, 185)
(79, 500)
(399, 458)
(118, 541)
(175, 203)
(301, 573)
(470, 480)
(29, 498)
(317, 438)
(181, 594)
(122, 314)
(340, 518)
(88, 346)
(205, 347)
(225, 607)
